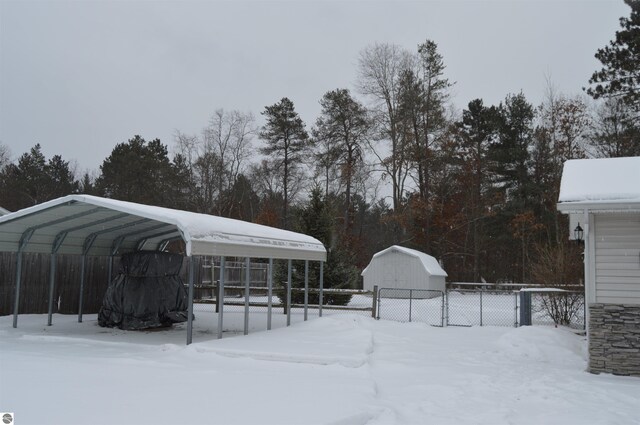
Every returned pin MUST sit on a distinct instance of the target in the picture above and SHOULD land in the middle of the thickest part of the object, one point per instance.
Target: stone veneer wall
(614, 339)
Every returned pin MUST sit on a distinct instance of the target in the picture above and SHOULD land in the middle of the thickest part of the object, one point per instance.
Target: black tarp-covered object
(146, 293)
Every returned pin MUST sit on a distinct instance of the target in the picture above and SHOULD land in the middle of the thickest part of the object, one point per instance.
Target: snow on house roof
(429, 263)
(102, 226)
(600, 181)
(4, 211)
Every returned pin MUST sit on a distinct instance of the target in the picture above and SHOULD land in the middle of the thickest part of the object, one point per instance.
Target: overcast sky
(78, 77)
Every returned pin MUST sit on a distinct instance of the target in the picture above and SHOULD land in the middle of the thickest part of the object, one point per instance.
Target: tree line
(390, 163)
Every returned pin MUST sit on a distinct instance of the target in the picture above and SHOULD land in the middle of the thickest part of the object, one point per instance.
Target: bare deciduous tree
(228, 137)
(380, 68)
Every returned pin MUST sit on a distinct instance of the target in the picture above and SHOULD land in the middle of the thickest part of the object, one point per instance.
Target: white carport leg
(221, 297)
(190, 302)
(269, 293)
(52, 280)
(247, 278)
(320, 290)
(306, 289)
(289, 293)
(16, 299)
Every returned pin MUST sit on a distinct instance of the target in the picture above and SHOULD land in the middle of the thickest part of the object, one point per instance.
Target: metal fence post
(447, 306)
(374, 302)
(481, 307)
(379, 304)
(410, 303)
(525, 308)
(442, 311)
(515, 310)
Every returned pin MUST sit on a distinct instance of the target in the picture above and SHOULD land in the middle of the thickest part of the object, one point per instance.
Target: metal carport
(84, 225)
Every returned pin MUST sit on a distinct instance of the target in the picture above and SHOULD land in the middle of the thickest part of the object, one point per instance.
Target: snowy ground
(341, 369)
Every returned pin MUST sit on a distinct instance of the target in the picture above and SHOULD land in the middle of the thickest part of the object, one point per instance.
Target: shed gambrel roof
(429, 263)
(81, 223)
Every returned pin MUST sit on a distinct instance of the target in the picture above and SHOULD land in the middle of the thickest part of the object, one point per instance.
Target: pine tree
(286, 140)
(139, 171)
(620, 75)
(345, 125)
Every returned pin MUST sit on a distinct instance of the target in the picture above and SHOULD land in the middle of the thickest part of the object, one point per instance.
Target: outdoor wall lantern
(578, 233)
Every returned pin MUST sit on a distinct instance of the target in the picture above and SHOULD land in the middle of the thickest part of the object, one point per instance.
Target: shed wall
(617, 258)
(397, 270)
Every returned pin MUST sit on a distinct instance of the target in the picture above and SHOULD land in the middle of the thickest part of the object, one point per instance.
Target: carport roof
(81, 223)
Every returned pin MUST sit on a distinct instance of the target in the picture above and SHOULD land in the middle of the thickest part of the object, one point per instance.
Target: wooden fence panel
(34, 289)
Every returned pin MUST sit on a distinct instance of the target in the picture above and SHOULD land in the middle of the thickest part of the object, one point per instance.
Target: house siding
(617, 258)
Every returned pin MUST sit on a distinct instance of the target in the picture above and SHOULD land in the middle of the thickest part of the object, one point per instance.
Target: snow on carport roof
(600, 182)
(76, 221)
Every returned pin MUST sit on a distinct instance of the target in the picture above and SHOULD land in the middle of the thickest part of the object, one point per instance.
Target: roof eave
(630, 206)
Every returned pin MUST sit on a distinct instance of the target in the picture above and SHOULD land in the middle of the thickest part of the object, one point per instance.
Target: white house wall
(617, 259)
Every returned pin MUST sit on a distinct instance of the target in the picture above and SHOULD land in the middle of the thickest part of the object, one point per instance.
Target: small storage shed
(602, 197)
(404, 268)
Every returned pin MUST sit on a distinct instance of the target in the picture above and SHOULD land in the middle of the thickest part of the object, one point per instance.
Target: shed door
(617, 242)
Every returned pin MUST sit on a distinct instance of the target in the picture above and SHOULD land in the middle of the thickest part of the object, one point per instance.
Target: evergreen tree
(620, 75)
(286, 140)
(477, 130)
(139, 171)
(344, 124)
(34, 180)
(614, 132)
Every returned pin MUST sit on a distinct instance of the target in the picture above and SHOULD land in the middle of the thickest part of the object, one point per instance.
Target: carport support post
(306, 288)
(52, 280)
(321, 288)
(16, 300)
(220, 297)
(82, 270)
(190, 301)
(289, 293)
(269, 293)
(247, 278)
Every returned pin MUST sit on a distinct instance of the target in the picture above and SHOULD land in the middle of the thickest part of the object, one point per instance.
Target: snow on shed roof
(429, 263)
(600, 181)
(103, 225)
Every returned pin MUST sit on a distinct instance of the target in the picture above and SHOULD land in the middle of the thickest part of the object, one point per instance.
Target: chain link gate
(476, 307)
(411, 305)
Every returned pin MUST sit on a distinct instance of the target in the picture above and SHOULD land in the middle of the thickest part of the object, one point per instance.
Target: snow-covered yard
(341, 369)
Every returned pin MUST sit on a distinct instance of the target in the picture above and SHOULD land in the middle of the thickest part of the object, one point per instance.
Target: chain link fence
(472, 307)
(551, 308)
(411, 305)
(481, 307)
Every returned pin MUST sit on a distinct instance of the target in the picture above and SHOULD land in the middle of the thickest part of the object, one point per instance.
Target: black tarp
(146, 293)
